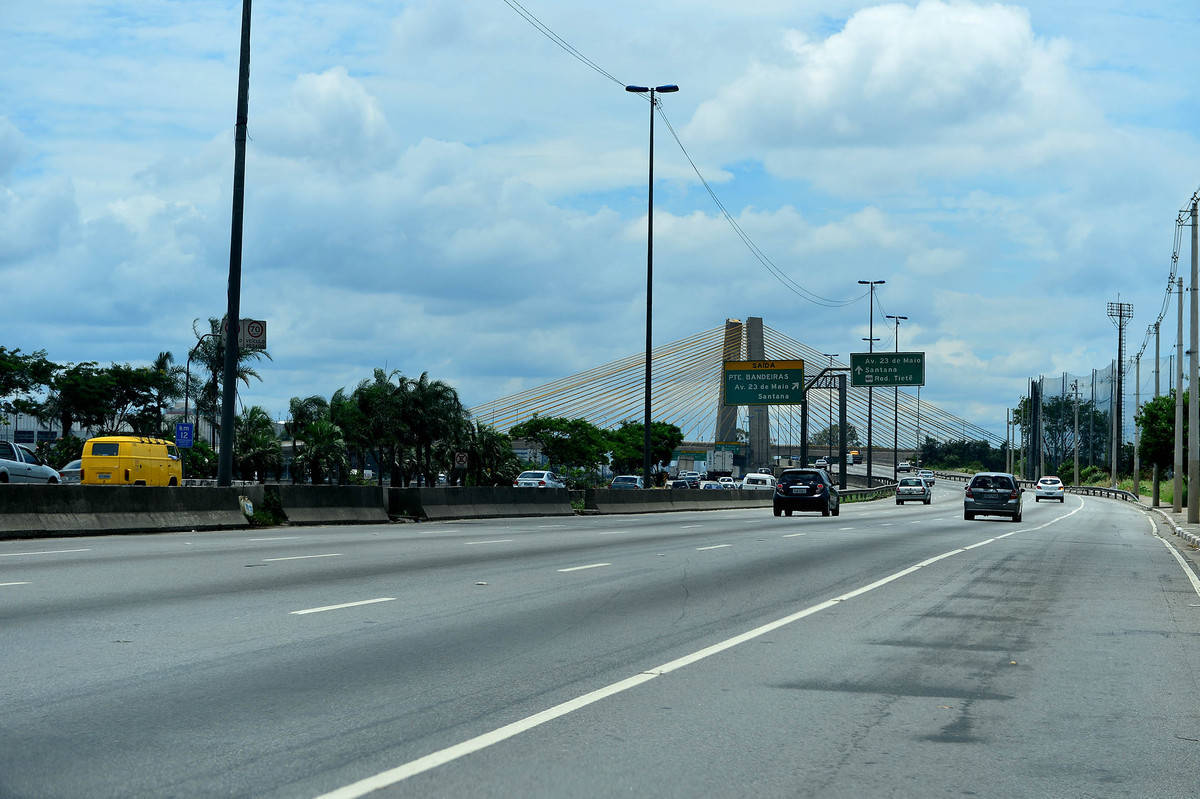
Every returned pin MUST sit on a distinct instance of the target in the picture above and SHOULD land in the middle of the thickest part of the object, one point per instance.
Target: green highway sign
(764, 382)
(887, 369)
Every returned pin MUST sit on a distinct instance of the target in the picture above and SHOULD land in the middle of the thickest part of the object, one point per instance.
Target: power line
(558, 40)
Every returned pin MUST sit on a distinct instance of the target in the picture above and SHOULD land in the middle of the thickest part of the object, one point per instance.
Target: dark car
(806, 489)
(992, 494)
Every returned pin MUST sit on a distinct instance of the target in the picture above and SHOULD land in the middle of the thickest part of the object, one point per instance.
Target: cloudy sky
(436, 186)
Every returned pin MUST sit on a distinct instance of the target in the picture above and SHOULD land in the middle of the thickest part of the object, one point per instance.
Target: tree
(165, 386)
(258, 449)
(21, 378)
(209, 353)
(81, 394)
(378, 425)
(490, 456)
(301, 414)
(628, 444)
(324, 449)
(432, 413)
(830, 436)
(566, 442)
(1157, 421)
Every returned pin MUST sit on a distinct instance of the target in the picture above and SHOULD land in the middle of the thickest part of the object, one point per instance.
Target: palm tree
(376, 423)
(324, 448)
(434, 413)
(209, 352)
(166, 386)
(490, 456)
(258, 448)
(302, 413)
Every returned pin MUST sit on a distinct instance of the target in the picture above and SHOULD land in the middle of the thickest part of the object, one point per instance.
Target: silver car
(913, 489)
(18, 464)
(72, 472)
(538, 479)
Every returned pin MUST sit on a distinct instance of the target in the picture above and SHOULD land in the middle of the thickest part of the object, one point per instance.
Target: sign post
(887, 369)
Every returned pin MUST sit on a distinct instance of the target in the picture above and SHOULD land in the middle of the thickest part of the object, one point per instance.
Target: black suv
(806, 489)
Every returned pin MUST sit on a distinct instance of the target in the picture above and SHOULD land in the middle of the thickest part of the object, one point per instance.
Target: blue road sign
(183, 434)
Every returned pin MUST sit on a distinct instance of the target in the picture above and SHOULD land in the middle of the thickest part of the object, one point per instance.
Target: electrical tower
(1120, 313)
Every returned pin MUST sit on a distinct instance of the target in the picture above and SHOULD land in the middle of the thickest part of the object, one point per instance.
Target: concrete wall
(478, 502)
(604, 500)
(36, 511)
(305, 504)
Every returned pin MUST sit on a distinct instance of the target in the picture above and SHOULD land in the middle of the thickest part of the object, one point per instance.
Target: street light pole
(649, 266)
(871, 345)
(896, 409)
(829, 430)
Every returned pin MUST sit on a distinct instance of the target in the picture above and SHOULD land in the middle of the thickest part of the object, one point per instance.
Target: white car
(18, 464)
(821, 464)
(911, 489)
(538, 479)
(927, 476)
(758, 482)
(1050, 487)
(904, 466)
(727, 482)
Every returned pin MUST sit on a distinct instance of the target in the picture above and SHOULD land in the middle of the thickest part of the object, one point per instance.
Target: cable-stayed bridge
(686, 382)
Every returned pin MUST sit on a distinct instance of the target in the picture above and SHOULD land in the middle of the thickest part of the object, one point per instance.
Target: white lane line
(581, 568)
(981, 543)
(689, 526)
(887, 524)
(918, 521)
(304, 557)
(42, 552)
(1191, 575)
(493, 541)
(343, 605)
(793, 535)
(714, 546)
(400, 773)
(276, 538)
(552, 526)
(4, 584)
(845, 528)
(614, 532)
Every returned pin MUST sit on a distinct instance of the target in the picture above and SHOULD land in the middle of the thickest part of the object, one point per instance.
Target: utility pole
(1137, 403)
(1193, 512)
(896, 410)
(234, 299)
(829, 430)
(1177, 483)
(1120, 313)
(1075, 389)
(870, 348)
(1154, 485)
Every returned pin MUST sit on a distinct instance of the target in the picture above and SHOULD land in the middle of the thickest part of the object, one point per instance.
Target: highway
(891, 651)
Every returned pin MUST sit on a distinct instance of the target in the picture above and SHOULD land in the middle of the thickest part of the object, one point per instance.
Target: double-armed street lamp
(649, 263)
(896, 408)
(871, 344)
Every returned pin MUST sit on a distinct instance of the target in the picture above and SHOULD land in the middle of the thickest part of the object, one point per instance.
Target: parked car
(538, 479)
(1049, 487)
(71, 472)
(910, 489)
(626, 481)
(758, 482)
(806, 489)
(992, 494)
(927, 476)
(19, 464)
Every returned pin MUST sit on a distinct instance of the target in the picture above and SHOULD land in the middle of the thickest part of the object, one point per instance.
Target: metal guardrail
(1091, 491)
(862, 494)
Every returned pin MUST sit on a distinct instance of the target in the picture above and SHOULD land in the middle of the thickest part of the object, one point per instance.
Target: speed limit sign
(252, 334)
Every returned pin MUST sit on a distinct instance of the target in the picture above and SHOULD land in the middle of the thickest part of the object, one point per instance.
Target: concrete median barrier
(478, 502)
(36, 511)
(306, 504)
(665, 500)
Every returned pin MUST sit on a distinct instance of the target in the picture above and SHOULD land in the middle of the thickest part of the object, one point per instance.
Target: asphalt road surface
(891, 651)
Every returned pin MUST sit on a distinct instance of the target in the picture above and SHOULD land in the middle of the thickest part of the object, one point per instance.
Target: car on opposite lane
(538, 479)
(1050, 487)
(72, 471)
(806, 489)
(992, 494)
(913, 489)
(626, 481)
(18, 464)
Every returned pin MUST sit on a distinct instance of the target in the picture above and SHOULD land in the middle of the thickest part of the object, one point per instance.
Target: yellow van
(130, 460)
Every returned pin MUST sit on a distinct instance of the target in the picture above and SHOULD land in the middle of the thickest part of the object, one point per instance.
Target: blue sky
(437, 187)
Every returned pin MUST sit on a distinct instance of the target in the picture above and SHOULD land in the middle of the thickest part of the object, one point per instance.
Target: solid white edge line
(303, 557)
(43, 552)
(443, 756)
(581, 568)
(343, 605)
(1191, 575)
